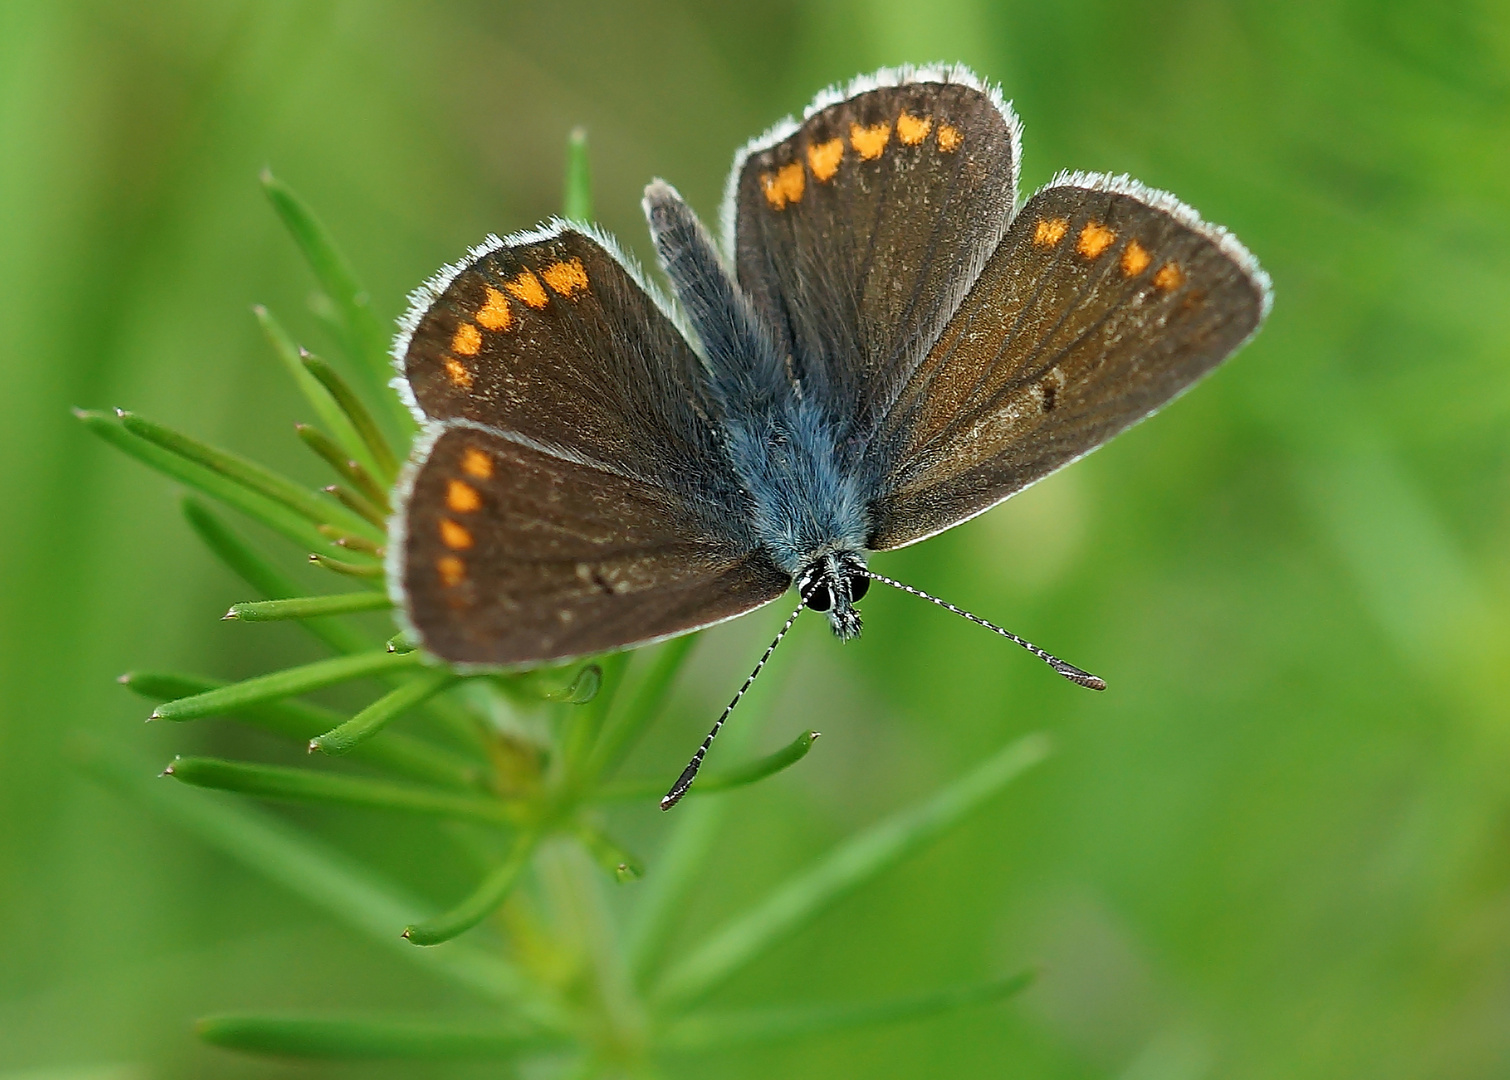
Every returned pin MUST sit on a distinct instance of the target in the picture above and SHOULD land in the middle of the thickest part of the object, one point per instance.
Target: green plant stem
(248, 474)
(307, 785)
(483, 901)
(367, 1039)
(761, 1027)
(367, 723)
(750, 773)
(291, 682)
(306, 607)
(300, 722)
(323, 876)
(837, 874)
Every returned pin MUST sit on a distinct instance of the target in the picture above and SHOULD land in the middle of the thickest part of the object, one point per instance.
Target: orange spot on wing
(913, 129)
(462, 497)
(784, 186)
(475, 463)
(1135, 259)
(869, 142)
(452, 570)
(1094, 239)
(454, 535)
(467, 340)
(949, 138)
(1049, 231)
(494, 313)
(566, 277)
(1169, 278)
(823, 158)
(527, 288)
(460, 377)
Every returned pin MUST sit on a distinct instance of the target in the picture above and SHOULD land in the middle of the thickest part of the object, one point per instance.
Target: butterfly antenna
(1069, 671)
(689, 774)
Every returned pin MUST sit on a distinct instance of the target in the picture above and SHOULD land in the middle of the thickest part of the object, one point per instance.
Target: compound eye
(859, 585)
(819, 598)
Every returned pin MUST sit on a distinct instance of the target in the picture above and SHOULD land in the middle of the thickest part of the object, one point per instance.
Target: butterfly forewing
(1104, 301)
(573, 494)
(551, 338)
(856, 235)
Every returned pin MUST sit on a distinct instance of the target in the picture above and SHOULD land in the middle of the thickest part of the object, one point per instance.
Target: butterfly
(885, 345)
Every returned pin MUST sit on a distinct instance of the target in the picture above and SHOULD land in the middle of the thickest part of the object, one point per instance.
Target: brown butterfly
(885, 346)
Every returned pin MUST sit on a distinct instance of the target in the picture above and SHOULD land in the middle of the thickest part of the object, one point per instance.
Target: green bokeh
(1277, 846)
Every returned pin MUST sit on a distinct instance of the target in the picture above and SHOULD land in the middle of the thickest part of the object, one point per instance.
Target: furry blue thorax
(782, 443)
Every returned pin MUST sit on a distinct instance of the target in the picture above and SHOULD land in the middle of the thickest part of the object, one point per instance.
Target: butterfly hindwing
(510, 555)
(1104, 301)
(573, 494)
(856, 234)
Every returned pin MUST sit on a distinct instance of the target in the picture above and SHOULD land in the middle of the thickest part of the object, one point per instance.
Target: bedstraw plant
(528, 762)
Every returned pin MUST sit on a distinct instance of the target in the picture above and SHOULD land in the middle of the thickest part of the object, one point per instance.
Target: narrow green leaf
(371, 571)
(290, 682)
(248, 474)
(577, 200)
(358, 504)
(352, 543)
(582, 689)
(608, 854)
(326, 409)
(585, 724)
(299, 722)
(356, 412)
(367, 723)
(368, 1038)
(325, 877)
(341, 461)
(758, 769)
(257, 507)
(365, 334)
(308, 785)
(483, 901)
(747, 1027)
(260, 575)
(839, 873)
(642, 708)
(399, 643)
(307, 607)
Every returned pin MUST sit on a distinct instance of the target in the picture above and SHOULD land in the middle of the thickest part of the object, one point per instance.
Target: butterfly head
(833, 584)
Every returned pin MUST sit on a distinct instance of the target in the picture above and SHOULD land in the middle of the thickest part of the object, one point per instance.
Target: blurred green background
(1277, 846)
